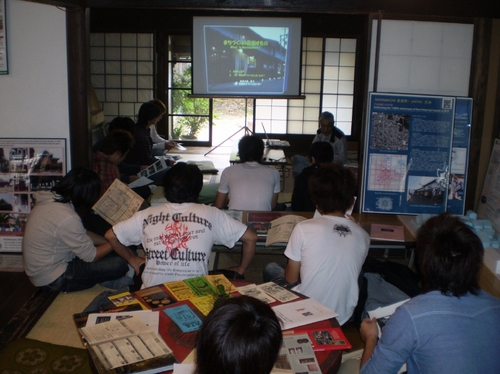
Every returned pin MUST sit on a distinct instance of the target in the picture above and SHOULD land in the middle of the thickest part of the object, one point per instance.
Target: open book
(118, 203)
(281, 229)
(127, 345)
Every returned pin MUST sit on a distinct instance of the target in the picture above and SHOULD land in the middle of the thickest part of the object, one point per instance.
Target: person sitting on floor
(59, 255)
(141, 152)
(326, 253)
(327, 132)
(249, 185)
(160, 145)
(112, 152)
(178, 236)
(454, 327)
(320, 153)
(242, 335)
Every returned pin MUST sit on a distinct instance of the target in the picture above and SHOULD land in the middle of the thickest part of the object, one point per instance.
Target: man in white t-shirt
(249, 185)
(177, 237)
(325, 254)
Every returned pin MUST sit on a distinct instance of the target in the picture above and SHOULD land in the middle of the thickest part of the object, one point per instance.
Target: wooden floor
(22, 304)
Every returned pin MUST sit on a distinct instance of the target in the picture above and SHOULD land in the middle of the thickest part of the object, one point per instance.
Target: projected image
(244, 56)
(253, 58)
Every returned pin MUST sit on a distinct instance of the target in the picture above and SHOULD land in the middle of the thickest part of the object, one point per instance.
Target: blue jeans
(81, 275)
(276, 273)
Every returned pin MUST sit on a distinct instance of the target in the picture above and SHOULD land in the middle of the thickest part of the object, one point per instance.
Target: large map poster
(408, 154)
(26, 166)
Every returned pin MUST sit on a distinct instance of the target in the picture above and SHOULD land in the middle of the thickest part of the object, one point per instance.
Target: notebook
(274, 143)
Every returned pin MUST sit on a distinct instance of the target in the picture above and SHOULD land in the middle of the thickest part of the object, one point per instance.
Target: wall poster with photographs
(416, 154)
(26, 167)
(4, 69)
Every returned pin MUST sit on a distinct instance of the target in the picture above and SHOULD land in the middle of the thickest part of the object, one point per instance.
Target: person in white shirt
(326, 254)
(160, 145)
(249, 185)
(178, 236)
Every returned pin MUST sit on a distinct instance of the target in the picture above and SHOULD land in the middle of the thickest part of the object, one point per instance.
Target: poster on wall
(457, 181)
(26, 166)
(408, 154)
(3, 40)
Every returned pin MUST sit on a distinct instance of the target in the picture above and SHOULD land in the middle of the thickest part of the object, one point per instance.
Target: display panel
(246, 56)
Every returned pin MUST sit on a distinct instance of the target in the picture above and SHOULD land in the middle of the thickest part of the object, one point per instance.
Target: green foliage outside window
(193, 113)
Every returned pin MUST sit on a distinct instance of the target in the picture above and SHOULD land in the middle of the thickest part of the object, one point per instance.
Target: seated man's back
(249, 185)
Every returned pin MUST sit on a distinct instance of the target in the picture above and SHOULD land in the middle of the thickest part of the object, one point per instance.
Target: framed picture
(4, 68)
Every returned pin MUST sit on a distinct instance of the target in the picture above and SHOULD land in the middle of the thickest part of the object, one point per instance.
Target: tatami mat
(57, 326)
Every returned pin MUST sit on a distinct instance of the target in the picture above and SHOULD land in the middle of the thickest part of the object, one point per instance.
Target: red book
(326, 339)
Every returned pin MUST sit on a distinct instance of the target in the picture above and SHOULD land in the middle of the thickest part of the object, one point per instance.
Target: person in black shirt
(320, 153)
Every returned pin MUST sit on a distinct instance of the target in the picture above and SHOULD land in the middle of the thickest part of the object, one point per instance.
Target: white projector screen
(246, 56)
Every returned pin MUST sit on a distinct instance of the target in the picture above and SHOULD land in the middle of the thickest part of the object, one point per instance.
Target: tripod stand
(247, 131)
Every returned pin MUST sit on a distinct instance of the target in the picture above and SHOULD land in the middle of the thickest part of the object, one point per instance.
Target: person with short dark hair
(325, 254)
(454, 326)
(178, 236)
(327, 132)
(113, 151)
(249, 185)
(320, 153)
(58, 253)
(240, 336)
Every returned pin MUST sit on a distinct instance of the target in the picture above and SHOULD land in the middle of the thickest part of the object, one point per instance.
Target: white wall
(34, 95)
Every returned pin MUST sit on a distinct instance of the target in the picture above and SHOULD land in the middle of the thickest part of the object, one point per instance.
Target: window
(327, 83)
(122, 71)
(189, 119)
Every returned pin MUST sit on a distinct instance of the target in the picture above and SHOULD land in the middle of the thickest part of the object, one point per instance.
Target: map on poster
(26, 166)
(416, 154)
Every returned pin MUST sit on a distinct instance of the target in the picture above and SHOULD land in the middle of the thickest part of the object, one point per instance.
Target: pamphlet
(156, 167)
(118, 203)
(301, 354)
(184, 317)
(281, 229)
(254, 291)
(302, 312)
(277, 292)
(387, 232)
(326, 339)
(382, 314)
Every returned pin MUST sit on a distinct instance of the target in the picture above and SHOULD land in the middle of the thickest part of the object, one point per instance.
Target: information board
(26, 166)
(409, 145)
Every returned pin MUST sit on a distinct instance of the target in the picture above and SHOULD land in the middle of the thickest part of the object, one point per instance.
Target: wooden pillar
(477, 90)
(79, 86)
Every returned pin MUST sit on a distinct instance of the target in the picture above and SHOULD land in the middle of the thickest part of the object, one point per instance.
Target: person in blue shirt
(454, 326)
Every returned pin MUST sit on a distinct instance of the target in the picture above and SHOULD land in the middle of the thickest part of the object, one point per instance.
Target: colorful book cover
(180, 290)
(155, 297)
(326, 339)
(184, 318)
(201, 286)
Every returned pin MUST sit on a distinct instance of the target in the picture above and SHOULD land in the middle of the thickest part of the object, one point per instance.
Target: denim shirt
(434, 333)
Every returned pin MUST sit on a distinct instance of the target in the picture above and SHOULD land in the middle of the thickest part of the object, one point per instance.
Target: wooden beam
(60, 3)
(446, 8)
(79, 87)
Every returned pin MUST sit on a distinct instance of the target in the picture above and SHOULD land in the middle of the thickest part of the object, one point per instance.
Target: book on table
(127, 345)
(387, 232)
(326, 339)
